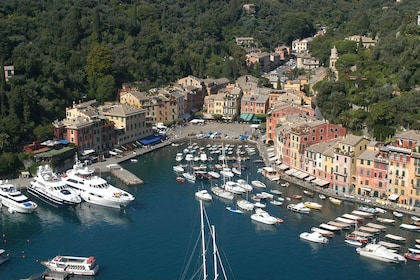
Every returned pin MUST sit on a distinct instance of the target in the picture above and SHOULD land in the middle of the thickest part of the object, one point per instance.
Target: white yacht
(50, 187)
(379, 252)
(73, 265)
(233, 187)
(95, 189)
(14, 199)
(313, 237)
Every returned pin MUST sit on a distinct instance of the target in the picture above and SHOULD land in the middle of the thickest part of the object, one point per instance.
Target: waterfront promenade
(228, 132)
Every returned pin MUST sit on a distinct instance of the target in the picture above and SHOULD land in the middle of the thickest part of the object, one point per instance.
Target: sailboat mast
(203, 243)
(213, 235)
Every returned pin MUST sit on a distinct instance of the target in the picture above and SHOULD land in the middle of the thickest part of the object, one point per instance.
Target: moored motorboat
(276, 202)
(385, 220)
(335, 200)
(14, 199)
(220, 192)
(50, 188)
(263, 217)
(395, 238)
(245, 204)
(398, 214)
(321, 196)
(258, 184)
(234, 210)
(95, 189)
(4, 256)
(203, 195)
(415, 218)
(362, 214)
(180, 179)
(178, 168)
(323, 232)
(296, 196)
(299, 208)
(409, 227)
(379, 252)
(329, 227)
(73, 265)
(313, 237)
(377, 226)
(312, 205)
(308, 193)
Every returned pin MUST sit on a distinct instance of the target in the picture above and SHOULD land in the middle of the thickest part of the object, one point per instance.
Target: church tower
(333, 58)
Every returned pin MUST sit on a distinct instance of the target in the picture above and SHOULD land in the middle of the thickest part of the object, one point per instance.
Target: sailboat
(217, 265)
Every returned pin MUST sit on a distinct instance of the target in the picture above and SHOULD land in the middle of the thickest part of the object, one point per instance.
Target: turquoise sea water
(152, 238)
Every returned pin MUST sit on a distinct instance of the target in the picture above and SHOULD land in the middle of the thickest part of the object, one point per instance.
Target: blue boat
(234, 210)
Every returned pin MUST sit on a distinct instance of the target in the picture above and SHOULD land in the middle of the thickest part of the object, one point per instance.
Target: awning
(283, 167)
(393, 197)
(310, 178)
(302, 175)
(290, 171)
(152, 139)
(246, 117)
(273, 158)
(271, 149)
(320, 182)
(296, 174)
(271, 155)
(366, 189)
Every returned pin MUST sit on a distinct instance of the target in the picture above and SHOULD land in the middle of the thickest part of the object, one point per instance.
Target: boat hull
(54, 201)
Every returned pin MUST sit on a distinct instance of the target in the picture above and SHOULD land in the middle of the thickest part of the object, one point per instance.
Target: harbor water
(151, 239)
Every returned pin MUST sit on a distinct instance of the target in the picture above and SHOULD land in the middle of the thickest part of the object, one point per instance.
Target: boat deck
(377, 226)
(396, 238)
(362, 234)
(370, 229)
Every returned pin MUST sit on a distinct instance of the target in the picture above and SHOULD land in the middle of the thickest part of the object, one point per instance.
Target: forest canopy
(65, 51)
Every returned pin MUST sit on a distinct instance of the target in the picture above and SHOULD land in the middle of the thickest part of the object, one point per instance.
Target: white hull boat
(95, 189)
(178, 169)
(15, 200)
(220, 192)
(379, 252)
(313, 237)
(214, 174)
(409, 227)
(189, 177)
(263, 217)
(395, 238)
(203, 195)
(247, 187)
(299, 208)
(245, 205)
(73, 265)
(258, 184)
(50, 187)
(323, 232)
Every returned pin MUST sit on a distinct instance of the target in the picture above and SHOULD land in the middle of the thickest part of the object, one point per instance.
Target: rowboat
(409, 227)
(417, 241)
(352, 217)
(415, 218)
(346, 221)
(340, 225)
(296, 196)
(308, 193)
(385, 220)
(323, 232)
(398, 214)
(234, 210)
(395, 238)
(362, 214)
(335, 200)
(329, 227)
(390, 245)
(377, 226)
(370, 230)
(321, 196)
(362, 234)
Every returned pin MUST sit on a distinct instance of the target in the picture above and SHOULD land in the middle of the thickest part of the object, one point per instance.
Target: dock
(125, 176)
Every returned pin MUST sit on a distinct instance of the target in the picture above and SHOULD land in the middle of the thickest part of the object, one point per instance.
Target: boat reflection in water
(93, 215)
